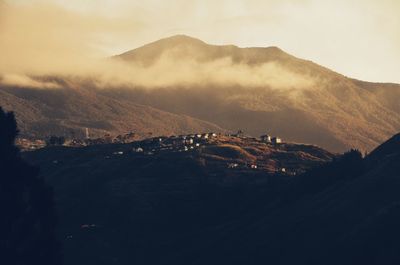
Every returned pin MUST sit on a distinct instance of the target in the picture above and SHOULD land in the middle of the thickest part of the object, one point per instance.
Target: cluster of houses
(191, 142)
(269, 139)
(30, 145)
(265, 139)
(106, 139)
(254, 166)
(181, 143)
(238, 166)
(151, 146)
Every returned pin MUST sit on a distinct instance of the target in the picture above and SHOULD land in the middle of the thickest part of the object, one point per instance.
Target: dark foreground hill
(120, 206)
(196, 207)
(346, 212)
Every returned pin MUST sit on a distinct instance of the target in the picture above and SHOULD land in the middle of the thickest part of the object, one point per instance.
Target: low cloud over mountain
(257, 90)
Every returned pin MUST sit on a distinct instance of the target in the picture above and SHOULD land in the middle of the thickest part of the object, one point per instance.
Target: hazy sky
(358, 38)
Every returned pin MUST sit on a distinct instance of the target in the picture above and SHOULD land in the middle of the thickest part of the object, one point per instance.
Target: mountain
(294, 98)
(69, 110)
(181, 84)
(170, 207)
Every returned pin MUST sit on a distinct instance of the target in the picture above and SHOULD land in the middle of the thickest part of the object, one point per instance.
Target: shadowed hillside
(120, 206)
(68, 111)
(193, 207)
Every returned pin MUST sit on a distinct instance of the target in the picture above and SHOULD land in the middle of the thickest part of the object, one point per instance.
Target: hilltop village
(233, 152)
(174, 143)
(185, 143)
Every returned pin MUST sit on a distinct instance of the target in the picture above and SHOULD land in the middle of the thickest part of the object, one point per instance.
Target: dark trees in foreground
(27, 214)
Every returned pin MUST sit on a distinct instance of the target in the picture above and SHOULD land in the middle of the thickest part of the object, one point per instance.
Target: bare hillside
(69, 111)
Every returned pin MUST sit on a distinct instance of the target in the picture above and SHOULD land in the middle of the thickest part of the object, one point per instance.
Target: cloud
(66, 38)
(48, 40)
(172, 71)
(168, 71)
(19, 80)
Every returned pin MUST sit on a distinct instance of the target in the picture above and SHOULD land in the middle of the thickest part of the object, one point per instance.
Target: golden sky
(358, 38)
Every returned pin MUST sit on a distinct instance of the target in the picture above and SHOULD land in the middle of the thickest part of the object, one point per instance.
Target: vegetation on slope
(28, 219)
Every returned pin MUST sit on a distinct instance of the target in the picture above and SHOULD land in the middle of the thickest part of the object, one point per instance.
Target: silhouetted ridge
(28, 219)
(389, 148)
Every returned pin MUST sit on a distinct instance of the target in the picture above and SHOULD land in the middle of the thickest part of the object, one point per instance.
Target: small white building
(233, 165)
(239, 134)
(276, 140)
(138, 150)
(187, 141)
(266, 138)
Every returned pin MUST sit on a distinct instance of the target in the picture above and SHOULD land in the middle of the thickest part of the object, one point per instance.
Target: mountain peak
(154, 49)
(182, 37)
(175, 41)
(201, 50)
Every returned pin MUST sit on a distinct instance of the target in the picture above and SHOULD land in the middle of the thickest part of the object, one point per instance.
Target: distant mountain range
(209, 87)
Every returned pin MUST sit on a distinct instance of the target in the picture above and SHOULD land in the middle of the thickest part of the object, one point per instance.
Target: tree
(27, 213)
